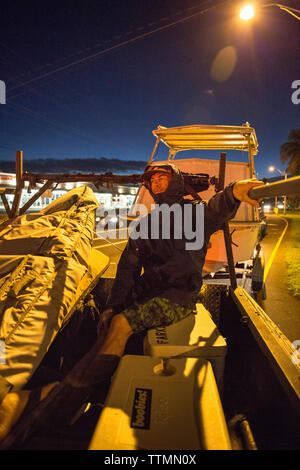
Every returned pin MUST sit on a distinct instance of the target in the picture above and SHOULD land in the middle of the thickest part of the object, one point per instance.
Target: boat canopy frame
(207, 137)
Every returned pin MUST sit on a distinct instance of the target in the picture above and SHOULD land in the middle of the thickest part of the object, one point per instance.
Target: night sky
(107, 104)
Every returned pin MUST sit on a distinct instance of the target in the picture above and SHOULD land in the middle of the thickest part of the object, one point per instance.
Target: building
(117, 197)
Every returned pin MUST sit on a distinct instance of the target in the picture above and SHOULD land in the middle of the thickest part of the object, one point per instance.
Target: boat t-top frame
(208, 137)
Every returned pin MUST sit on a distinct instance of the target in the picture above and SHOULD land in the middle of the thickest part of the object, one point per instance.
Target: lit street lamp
(273, 168)
(248, 11)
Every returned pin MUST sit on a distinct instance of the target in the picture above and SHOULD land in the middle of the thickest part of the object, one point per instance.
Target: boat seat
(194, 336)
(146, 409)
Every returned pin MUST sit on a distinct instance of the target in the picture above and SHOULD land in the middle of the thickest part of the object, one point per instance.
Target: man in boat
(167, 290)
(164, 294)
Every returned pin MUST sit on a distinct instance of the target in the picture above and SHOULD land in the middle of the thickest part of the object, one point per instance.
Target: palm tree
(290, 151)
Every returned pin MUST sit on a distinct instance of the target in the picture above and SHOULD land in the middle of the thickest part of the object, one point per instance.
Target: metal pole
(284, 210)
(149, 161)
(6, 205)
(227, 236)
(19, 182)
(29, 203)
(154, 150)
(251, 170)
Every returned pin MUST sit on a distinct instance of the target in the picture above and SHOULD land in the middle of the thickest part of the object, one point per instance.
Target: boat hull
(244, 238)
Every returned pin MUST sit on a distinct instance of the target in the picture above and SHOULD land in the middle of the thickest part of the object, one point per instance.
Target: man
(165, 293)
(167, 290)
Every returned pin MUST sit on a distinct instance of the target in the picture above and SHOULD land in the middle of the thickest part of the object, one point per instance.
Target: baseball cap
(151, 170)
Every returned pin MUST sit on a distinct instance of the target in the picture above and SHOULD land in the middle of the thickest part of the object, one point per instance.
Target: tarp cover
(43, 258)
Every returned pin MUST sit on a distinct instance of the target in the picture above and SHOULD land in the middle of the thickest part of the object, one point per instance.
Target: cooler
(149, 409)
(195, 336)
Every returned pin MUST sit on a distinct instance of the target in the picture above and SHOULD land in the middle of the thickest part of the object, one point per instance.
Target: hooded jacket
(175, 191)
(170, 269)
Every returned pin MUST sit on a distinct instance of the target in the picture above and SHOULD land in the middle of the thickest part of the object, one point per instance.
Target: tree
(290, 152)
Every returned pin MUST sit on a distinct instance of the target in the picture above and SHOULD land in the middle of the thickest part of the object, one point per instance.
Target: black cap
(151, 170)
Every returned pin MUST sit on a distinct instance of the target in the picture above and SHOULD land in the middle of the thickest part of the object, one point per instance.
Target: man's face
(159, 182)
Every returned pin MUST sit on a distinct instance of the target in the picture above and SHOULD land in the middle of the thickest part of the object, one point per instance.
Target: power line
(7, 148)
(49, 124)
(116, 46)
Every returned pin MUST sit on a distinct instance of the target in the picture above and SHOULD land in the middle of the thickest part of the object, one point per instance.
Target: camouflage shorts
(154, 313)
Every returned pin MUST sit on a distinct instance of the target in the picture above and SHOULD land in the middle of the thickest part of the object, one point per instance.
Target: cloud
(76, 165)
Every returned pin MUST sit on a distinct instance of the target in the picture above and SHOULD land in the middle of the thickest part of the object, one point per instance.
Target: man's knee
(119, 324)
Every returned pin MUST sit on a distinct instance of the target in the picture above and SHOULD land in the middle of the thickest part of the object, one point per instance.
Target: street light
(273, 168)
(248, 11)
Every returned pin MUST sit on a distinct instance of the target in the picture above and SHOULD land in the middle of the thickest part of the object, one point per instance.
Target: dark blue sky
(107, 106)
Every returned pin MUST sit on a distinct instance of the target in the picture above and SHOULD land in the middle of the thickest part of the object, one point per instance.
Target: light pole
(248, 11)
(273, 168)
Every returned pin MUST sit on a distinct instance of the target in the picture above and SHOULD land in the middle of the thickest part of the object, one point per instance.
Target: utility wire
(49, 124)
(116, 46)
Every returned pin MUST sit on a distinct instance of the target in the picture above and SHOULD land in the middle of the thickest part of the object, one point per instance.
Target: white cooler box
(146, 409)
(195, 336)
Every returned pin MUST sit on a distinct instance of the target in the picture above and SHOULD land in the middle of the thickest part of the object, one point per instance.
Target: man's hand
(241, 189)
(104, 321)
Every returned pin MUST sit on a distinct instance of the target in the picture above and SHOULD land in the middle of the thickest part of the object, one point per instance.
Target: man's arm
(220, 208)
(241, 189)
(128, 268)
(224, 205)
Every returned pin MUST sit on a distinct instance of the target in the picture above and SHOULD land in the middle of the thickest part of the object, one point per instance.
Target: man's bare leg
(103, 355)
(117, 336)
(100, 362)
(13, 405)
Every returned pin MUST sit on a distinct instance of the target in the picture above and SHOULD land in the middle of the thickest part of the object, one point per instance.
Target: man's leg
(101, 361)
(117, 336)
(13, 405)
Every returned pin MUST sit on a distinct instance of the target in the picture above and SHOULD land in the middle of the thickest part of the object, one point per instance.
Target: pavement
(282, 307)
(112, 248)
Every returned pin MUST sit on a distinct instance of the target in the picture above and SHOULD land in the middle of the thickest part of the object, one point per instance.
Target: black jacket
(170, 270)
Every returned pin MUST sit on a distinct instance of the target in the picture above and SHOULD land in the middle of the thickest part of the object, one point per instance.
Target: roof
(208, 137)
